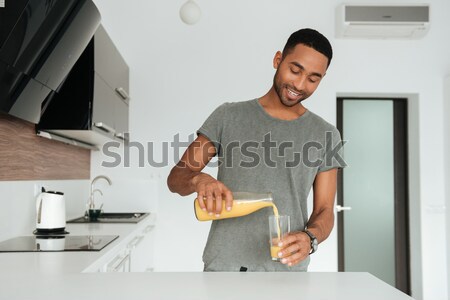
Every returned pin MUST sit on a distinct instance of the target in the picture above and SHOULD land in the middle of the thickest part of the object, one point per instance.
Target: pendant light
(190, 12)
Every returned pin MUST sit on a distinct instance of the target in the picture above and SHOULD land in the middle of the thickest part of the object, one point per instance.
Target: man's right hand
(210, 193)
(186, 177)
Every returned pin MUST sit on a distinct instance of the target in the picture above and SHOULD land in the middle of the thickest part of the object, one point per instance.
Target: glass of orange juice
(279, 226)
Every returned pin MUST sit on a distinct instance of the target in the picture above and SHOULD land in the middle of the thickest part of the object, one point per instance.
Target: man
(271, 144)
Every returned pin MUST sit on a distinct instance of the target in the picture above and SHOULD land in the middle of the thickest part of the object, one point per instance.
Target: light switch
(2, 3)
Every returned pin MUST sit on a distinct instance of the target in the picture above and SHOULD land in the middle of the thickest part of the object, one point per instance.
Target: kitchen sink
(128, 217)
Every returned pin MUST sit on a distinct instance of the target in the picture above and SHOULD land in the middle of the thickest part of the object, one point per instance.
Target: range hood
(40, 41)
(90, 108)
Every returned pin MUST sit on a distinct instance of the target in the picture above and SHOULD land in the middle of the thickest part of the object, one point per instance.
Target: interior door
(372, 198)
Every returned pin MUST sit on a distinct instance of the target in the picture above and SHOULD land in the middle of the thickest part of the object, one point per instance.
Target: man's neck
(271, 103)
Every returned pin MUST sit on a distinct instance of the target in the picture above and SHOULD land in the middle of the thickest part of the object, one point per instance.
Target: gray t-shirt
(259, 153)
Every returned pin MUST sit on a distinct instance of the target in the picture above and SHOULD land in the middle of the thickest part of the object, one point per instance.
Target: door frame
(401, 191)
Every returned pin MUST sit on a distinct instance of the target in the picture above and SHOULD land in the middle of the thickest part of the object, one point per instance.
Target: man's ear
(277, 59)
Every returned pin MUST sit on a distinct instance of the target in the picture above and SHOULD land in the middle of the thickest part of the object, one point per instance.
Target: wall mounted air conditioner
(382, 21)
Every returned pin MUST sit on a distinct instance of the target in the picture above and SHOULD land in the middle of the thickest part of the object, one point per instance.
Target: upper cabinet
(91, 106)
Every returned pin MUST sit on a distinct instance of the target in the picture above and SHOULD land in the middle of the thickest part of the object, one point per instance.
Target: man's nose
(300, 83)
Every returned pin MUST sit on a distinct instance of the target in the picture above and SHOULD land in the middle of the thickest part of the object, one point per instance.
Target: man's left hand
(295, 247)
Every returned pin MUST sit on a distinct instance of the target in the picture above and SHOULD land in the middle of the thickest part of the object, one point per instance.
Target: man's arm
(297, 245)
(186, 177)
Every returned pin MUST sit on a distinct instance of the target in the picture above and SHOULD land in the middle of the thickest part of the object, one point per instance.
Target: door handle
(120, 136)
(121, 91)
(118, 263)
(340, 208)
(148, 228)
(104, 127)
(136, 241)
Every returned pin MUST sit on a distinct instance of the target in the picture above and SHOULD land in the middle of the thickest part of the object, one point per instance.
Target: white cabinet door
(121, 263)
(141, 251)
(133, 254)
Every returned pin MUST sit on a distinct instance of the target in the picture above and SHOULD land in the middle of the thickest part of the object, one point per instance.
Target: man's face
(298, 74)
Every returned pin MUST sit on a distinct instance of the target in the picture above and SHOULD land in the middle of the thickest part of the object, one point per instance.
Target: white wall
(446, 111)
(180, 73)
(132, 189)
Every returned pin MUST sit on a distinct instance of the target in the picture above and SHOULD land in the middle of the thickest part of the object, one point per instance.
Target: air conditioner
(382, 21)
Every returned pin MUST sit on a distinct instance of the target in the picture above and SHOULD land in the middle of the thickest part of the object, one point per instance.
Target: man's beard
(279, 90)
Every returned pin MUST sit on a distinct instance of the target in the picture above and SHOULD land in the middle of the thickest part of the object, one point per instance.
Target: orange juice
(274, 252)
(240, 208)
(279, 227)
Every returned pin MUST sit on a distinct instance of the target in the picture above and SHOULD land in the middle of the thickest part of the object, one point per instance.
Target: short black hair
(310, 38)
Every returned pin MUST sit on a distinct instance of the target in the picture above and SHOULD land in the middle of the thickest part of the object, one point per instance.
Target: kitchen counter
(73, 262)
(199, 286)
(65, 275)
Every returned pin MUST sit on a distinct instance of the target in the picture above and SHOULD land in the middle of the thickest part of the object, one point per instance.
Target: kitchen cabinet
(135, 256)
(141, 251)
(134, 253)
(120, 263)
(92, 104)
(110, 111)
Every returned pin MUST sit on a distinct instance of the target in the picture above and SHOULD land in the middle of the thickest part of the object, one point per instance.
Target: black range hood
(40, 41)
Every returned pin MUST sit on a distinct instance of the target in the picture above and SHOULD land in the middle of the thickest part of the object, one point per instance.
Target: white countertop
(58, 275)
(72, 261)
(198, 286)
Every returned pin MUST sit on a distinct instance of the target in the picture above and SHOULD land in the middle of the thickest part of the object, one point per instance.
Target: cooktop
(57, 243)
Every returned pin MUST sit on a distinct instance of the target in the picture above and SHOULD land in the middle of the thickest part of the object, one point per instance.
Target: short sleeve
(334, 151)
(212, 128)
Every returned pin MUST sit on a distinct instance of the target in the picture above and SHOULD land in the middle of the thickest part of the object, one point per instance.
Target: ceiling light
(190, 12)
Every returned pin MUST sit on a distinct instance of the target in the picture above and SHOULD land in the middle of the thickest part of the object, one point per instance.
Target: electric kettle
(50, 212)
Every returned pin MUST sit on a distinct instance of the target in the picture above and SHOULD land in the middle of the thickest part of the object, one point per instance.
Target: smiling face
(298, 74)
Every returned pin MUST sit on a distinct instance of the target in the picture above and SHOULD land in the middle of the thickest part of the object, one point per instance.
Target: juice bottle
(244, 203)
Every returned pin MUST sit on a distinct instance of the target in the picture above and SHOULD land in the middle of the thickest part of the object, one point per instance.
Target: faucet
(91, 198)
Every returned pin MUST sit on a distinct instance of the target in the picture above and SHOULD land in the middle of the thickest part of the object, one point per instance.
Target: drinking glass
(279, 227)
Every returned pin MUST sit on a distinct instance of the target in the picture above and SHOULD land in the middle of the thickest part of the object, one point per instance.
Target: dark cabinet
(92, 104)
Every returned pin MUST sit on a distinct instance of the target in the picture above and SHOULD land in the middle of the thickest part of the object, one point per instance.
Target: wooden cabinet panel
(26, 156)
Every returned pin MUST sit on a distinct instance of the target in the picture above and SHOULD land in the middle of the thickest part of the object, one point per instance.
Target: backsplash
(26, 156)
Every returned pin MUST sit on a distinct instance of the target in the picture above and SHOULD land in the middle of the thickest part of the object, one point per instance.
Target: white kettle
(50, 212)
